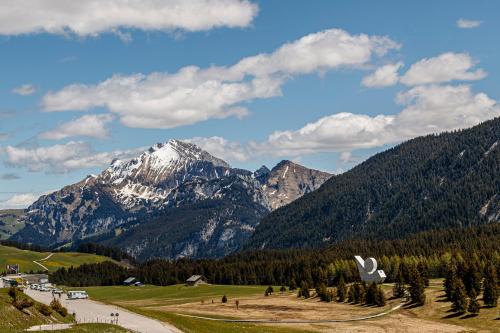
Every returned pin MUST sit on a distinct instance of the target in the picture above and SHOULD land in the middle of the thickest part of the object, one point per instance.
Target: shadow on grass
(470, 315)
(453, 315)
(411, 306)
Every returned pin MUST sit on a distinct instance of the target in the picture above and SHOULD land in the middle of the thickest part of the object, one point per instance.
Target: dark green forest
(434, 182)
(433, 250)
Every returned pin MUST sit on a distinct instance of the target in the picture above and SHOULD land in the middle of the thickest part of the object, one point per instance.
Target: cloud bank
(94, 17)
(193, 94)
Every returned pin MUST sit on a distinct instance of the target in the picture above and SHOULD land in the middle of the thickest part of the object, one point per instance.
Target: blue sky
(76, 92)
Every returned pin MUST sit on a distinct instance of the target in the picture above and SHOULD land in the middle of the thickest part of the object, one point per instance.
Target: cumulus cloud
(63, 158)
(443, 68)
(93, 17)
(468, 24)
(94, 126)
(193, 94)
(9, 176)
(222, 148)
(384, 76)
(25, 90)
(19, 201)
(425, 110)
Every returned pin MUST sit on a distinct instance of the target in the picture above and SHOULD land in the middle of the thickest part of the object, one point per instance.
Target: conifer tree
(417, 288)
(450, 281)
(351, 295)
(399, 285)
(474, 306)
(490, 292)
(371, 294)
(341, 290)
(459, 297)
(380, 297)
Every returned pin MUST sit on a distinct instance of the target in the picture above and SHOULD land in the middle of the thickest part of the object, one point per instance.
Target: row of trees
(464, 283)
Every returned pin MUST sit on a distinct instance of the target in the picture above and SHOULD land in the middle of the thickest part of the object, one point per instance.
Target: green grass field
(9, 223)
(143, 300)
(11, 255)
(176, 294)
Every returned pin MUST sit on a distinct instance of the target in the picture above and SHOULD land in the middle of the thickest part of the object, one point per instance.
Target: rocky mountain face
(167, 180)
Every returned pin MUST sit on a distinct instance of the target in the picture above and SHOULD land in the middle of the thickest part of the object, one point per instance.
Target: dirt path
(88, 311)
(46, 258)
(297, 321)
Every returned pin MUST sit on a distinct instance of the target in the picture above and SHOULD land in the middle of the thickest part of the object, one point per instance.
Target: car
(57, 292)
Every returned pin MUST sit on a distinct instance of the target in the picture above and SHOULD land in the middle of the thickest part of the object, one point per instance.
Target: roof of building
(129, 280)
(195, 278)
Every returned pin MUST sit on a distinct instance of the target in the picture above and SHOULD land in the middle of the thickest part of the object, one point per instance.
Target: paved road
(88, 311)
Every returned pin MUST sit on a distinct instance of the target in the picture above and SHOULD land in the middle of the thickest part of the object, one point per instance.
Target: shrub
(282, 289)
(57, 307)
(45, 310)
(224, 299)
(269, 290)
(22, 303)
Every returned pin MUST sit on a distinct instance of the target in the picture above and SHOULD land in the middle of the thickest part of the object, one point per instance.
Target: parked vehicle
(77, 294)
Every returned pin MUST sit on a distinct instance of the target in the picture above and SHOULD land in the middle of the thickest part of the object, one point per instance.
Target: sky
(324, 83)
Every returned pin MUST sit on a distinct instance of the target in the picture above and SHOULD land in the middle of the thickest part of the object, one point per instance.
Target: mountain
(432, 182)
(196, 204)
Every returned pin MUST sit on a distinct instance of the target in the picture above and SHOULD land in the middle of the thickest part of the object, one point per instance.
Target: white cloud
(93, 17)
(222, 148)
(19, 201)
(25, 90)
(94, 126)
(193, 94)
(443, 68)
(63, 158)
(384, 76)
(468, 24)
(426, 110)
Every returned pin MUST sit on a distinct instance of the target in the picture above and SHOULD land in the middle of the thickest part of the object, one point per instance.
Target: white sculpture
(368, 270)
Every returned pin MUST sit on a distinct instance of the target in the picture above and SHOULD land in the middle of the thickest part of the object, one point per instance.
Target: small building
(12, 269)
(130, 281)
(196, 280)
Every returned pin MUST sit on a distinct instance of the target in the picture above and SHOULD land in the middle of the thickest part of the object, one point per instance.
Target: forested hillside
(433, 182)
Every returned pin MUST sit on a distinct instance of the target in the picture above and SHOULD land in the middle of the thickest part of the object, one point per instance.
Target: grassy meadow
(11, 255)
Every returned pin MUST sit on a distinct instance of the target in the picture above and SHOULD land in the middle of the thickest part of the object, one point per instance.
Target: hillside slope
(25, 258)
(432, 182)
(11, 221)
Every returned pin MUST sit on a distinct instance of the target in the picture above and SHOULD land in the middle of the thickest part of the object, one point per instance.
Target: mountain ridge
(165, 177)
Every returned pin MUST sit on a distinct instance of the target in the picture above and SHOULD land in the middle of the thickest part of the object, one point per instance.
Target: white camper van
(77, 294)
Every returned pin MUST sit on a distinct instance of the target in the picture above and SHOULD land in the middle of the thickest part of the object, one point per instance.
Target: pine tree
(304, 290)
(450, 281)
(459, 297)
(490, 292)
(380, 297)
(351, 294)
(474, 306)
(417, 288)
(341, 290)
(371, 294)
(399, 285)
(293, 285)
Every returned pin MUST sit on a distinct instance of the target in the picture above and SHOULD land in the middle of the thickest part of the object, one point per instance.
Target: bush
(269, 290)
(282, 289)
(304, 290)
(22, 303)
(57, 307)
(224, 299)
(45, 310)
